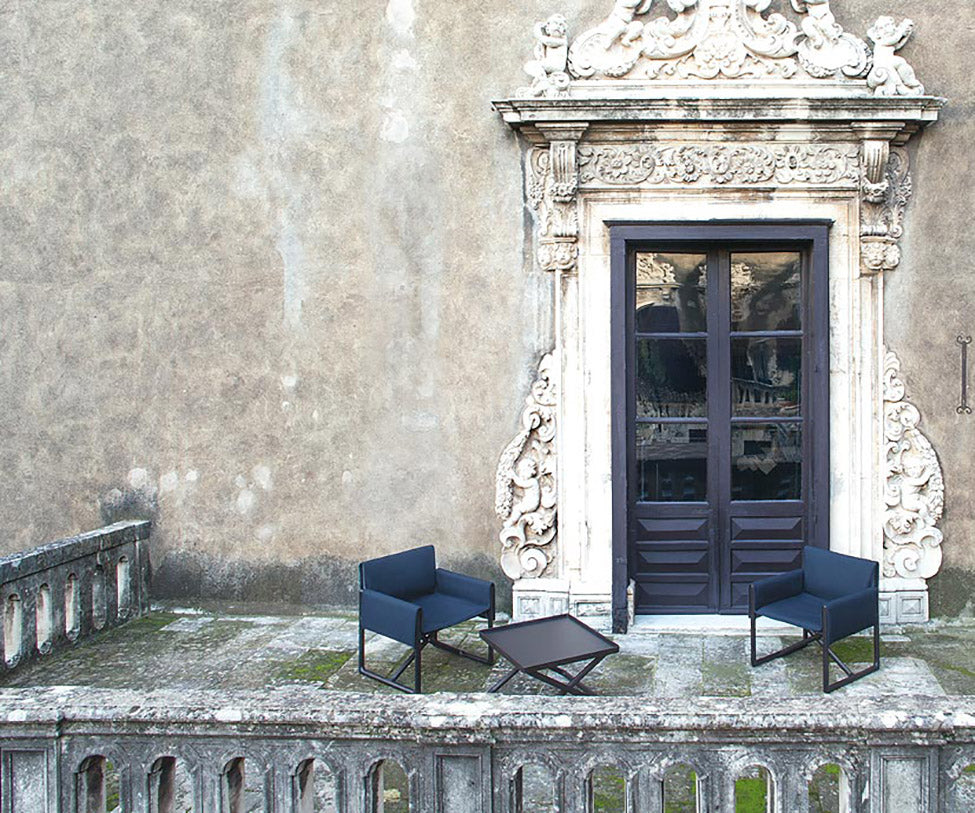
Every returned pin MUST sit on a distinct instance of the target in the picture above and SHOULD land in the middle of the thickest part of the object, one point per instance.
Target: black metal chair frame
(420, 641)
(809, 637)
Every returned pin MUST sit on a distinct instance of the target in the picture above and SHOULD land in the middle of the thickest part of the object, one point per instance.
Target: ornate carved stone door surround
(715, 110)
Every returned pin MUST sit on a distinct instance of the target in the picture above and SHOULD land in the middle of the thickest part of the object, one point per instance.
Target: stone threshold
(732, 625)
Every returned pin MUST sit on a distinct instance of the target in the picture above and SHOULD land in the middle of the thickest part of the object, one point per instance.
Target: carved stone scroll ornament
(526, 486)
(718, 165)
(915, 491)
(886, 191)
(712, 39)
(553, 184)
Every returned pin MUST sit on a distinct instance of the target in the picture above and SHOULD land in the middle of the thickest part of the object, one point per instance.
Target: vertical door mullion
(719, 409)
(627, 292)
(714, 433)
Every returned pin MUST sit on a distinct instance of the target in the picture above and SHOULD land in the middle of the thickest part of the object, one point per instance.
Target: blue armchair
(831, 597)
(406, 597)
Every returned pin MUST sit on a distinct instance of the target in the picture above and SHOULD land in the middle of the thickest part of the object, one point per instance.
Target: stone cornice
(906, 113)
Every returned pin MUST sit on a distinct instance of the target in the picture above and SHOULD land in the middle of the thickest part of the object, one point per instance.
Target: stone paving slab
(190, 649)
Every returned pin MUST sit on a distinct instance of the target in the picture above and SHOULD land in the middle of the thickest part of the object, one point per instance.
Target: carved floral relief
(884, 203)
(915, 491)
(719, 165)
(525, 489)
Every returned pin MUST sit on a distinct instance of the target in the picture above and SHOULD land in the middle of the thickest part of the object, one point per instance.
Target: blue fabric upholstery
(406, 597)
(413, 585)
(845, 585)
(831, 575)
(389, 616)
(465, 587)
(441, 610)
(802, 610)
(831, 597)
(404, 575)
(849, 614)
(775, 588)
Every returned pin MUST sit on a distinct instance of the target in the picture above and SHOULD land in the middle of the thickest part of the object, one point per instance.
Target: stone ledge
(483, 718)
(20, 565)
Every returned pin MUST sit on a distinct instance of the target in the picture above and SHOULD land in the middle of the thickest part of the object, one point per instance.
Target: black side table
(549, 644)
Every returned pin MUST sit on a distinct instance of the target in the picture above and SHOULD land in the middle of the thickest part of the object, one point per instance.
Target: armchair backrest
(405, 575)
(829, 575)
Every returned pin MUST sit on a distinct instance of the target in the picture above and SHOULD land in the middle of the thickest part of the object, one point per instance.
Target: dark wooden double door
(726, 409)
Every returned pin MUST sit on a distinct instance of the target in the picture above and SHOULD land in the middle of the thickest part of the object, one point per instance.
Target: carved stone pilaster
(526, 490)
(915, 491)
(886, 191)
(553, 186)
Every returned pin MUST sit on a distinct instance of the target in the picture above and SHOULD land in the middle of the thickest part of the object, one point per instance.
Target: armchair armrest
(776, 588)
(849, 614)
(390, 616)
(457, 584)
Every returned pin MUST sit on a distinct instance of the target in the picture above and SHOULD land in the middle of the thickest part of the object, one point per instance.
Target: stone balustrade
(58, 594)
(76, 750)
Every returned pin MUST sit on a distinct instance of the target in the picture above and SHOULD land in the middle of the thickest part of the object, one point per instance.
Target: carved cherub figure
(819, 25)
(621, 25)
(891, 75)
(548, 68)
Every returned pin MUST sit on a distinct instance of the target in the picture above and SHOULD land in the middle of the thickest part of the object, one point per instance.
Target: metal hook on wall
(964, 342)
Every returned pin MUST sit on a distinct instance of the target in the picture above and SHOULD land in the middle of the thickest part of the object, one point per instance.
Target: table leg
(575, 684)
(497, 686)
(586, 688)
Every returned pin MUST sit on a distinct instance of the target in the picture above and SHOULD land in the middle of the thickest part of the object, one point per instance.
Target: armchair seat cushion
(801, 610)
(441, 610)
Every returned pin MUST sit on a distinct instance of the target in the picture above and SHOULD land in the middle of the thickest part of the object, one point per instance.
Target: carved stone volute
(915, 489)
(554, 186)
(885, 193)
(525, 489)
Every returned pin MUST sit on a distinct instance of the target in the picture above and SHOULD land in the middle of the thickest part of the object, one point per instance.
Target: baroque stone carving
(891, 75)
(548, 68)
(525, 495)
(712, 39)
(827, 50)
(914, 492)
(884, 202)
(717, 164)
(553, 184)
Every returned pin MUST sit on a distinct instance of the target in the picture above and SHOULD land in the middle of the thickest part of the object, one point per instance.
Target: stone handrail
(214, 751)
(55, 595)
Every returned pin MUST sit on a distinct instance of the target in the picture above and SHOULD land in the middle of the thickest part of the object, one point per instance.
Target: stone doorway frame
(601, 151)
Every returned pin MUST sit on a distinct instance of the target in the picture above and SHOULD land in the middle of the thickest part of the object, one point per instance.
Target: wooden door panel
(672, 594)
(659, 558)
(765, 541)
(673, 561)
(754, 529)
(720, 365)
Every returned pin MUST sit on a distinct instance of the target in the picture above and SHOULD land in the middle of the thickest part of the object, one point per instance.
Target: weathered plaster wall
(930, 299)
(264, 278)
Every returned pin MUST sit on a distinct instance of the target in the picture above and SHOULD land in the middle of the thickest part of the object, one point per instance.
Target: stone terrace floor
(230, 647)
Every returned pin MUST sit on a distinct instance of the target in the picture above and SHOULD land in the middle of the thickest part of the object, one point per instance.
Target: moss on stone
(315, 665)
(855, 650)
(751, 795)
(725, 679)
(608, 791)
(148, 624)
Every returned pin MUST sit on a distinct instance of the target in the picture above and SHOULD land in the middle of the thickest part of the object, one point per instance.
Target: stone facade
(266, 275)
(683, 120)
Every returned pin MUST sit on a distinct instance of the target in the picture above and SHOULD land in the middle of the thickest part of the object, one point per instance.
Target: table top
(548, 642)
